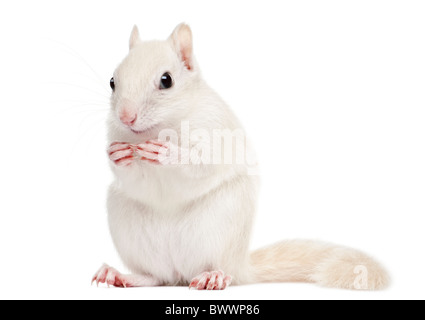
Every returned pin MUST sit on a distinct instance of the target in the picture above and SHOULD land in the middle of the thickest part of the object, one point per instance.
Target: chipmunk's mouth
(141, 131)
(138, 132)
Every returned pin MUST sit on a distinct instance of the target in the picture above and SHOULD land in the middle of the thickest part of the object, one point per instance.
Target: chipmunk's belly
(166, 189)
(173, 248)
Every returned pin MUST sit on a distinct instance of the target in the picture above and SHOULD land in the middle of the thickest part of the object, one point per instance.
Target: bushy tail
(325, 264)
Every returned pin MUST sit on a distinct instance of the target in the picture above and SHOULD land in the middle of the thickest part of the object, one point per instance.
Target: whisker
(82, 137)
(75, 54)
(77, 102)
(87, 106)
(80, 87)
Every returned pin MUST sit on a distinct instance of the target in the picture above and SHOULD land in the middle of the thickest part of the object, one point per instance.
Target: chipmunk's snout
(127, 113)
(128, 118)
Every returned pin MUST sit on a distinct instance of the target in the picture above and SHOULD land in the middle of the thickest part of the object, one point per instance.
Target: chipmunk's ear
(181, 40)
(135, 37)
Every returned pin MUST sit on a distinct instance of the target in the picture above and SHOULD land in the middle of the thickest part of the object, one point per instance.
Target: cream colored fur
(172, 223)
(322, 263)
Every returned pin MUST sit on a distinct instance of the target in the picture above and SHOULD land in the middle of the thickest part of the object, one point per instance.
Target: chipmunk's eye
(166, 81)
(112, 84)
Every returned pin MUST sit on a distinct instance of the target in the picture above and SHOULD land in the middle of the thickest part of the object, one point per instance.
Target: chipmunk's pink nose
(128, 117)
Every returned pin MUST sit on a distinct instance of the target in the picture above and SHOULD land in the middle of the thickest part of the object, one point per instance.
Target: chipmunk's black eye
(166, 81)
(112, 84)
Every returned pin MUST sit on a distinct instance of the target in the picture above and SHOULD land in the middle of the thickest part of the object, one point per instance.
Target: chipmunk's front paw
(121, 153)
(158, 152)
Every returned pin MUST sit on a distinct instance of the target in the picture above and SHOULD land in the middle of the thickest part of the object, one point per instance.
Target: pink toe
(212, 282)
(194, 283)
(226, 282)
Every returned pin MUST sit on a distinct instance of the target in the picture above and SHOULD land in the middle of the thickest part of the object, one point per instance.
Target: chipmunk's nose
(128, 117)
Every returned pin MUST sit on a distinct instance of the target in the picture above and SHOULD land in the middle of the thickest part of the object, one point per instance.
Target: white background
(331, 92)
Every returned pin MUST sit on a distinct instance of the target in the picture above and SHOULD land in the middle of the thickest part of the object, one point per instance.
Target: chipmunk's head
(151, 87)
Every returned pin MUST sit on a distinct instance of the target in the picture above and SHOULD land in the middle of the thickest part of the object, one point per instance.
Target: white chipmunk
(190, 224)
